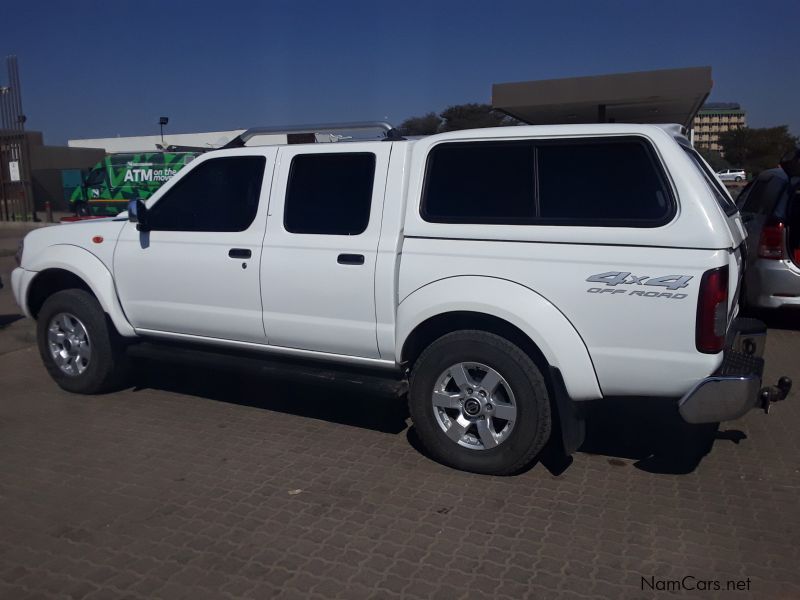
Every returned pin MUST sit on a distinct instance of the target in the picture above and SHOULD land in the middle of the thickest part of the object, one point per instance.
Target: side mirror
(137, 213)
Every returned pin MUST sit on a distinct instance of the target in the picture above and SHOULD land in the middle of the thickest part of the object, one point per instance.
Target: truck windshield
(95, 177)
(720, 193)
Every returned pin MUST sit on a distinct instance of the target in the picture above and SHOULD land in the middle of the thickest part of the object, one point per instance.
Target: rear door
(318, 261)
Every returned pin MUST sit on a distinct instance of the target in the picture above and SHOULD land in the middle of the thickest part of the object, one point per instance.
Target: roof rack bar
(383, 127)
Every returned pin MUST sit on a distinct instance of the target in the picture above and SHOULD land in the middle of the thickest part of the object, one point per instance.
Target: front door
(318, 262)
(196, 271)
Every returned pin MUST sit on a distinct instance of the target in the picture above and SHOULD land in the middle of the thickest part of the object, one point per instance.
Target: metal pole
(6, 151)
(27, 205)
(3, 157)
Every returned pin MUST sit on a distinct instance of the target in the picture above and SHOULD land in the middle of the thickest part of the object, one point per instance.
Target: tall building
(712, 120)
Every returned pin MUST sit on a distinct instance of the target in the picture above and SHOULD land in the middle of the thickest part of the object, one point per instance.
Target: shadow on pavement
(777, 319)
(648, 431)
(321, 395)
(6, 320)
(651, 432)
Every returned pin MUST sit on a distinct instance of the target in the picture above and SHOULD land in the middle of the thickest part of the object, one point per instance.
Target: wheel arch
(502, 307)
(443, 323)
(48, 282)
(63, 267)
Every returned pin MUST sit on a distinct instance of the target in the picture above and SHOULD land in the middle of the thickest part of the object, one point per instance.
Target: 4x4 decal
(614, 278)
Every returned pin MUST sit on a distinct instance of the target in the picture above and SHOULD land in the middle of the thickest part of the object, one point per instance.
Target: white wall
(147, 143)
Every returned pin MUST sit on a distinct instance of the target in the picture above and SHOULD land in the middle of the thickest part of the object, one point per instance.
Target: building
(662, 96)
(46, 164)
(152, 143)
(714, 119)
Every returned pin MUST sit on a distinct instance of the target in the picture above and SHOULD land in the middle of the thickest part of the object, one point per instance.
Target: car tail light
(712, 311)
(773, 240)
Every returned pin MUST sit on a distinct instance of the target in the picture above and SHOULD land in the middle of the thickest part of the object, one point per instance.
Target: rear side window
(720, 194)
(602, 183)
(219, 194)
(587, 182)
(329, 194)
(483, 182)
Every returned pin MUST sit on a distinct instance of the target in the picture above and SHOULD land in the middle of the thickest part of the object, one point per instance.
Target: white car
(732, 175)
(513, 275)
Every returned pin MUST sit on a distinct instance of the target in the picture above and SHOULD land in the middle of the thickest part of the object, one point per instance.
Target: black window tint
(764, 195)
(483, 182)
(601, 183)
(754, 202)
(716, 188)
(220, 194)
(329, 193)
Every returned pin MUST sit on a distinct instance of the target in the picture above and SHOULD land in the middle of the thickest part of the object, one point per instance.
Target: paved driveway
(213, 483)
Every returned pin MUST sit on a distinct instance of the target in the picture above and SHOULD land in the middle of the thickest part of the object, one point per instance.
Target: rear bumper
(735, 388)
(773, 284)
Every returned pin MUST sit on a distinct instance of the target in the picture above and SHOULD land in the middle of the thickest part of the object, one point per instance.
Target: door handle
(350, 259)
(240, 253)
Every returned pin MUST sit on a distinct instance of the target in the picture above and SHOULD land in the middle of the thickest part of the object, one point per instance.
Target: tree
(755, 150)
(714, 158)
(473, 116)
(453, 118)
(427, 124)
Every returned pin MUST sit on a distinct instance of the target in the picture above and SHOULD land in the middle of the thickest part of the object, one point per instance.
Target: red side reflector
(712, 311)
(98, 239)
(773, 240)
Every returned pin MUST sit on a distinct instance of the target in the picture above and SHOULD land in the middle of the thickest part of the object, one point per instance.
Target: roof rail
(385, 130)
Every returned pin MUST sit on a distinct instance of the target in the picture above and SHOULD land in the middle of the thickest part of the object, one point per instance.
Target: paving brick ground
(233, 484)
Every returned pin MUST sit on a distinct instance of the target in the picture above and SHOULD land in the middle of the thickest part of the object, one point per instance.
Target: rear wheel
(738, 178)
(80, 348)
(479, 403)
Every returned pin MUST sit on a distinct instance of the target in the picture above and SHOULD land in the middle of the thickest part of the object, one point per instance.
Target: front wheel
(738, 179)
(80, 348)
(479, 403)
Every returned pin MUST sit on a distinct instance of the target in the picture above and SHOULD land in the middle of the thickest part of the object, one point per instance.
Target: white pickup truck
(512, 274)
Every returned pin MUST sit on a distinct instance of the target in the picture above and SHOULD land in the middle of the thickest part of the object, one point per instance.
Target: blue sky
(92, 69)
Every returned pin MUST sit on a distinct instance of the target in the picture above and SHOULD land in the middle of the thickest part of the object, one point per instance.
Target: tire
(100, 369)
(738, 179)
(521, 387)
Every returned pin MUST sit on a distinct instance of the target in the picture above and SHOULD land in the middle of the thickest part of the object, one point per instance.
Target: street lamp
(162, 121)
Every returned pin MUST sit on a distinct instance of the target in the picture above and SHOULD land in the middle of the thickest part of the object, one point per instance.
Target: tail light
(712, 311)
(772, 244)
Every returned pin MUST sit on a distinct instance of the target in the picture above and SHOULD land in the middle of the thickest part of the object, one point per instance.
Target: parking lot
(204, 482)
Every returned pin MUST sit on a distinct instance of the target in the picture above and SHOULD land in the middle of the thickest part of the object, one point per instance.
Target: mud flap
(567, 415)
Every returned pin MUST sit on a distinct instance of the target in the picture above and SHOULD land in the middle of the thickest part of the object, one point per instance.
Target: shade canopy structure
(663, 96)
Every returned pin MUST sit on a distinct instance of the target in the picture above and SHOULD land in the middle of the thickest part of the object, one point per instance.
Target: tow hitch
(774, 393)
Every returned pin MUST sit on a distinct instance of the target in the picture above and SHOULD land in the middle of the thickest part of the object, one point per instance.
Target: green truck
(118, 178)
